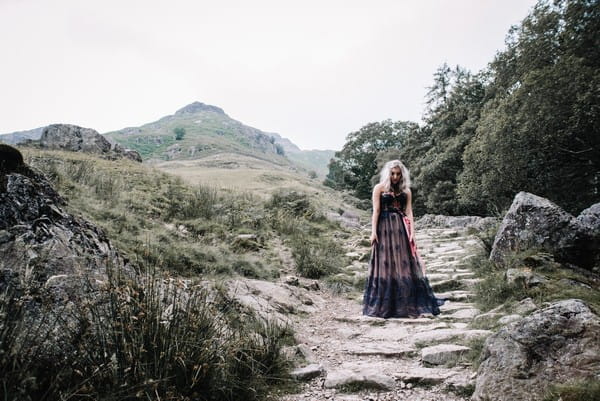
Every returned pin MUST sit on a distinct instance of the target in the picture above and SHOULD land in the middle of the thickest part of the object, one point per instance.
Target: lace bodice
(391, 202)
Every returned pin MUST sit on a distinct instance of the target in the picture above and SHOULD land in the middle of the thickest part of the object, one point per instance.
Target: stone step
(453, 306)
(458, 295)
(386, 349)
(348, 380)
(423, 376)
(462, 314)
(442, 354)
(445, 335)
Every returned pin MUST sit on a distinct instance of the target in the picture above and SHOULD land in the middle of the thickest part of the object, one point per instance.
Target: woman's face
(395, 175)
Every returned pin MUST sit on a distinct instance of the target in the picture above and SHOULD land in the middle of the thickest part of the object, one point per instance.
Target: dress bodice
(391, 202)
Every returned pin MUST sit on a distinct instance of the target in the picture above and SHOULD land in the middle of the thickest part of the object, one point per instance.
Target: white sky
(311, 70)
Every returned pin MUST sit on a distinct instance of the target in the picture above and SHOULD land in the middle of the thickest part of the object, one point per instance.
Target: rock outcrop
(51, 260)
(533, 222)
(78, 139)
(556, 344)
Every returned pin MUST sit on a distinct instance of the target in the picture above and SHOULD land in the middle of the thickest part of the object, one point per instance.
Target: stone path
(352, 357)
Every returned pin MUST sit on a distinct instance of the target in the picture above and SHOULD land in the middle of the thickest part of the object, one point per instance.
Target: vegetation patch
(588, 390)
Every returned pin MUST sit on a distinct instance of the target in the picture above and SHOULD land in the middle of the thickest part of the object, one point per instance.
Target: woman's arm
(409, 212)
(375, 217)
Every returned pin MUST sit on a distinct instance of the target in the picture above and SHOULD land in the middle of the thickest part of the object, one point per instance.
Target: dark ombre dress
(396, 286)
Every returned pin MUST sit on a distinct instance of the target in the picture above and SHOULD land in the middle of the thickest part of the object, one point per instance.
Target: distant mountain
(21, 136)
(203, 130)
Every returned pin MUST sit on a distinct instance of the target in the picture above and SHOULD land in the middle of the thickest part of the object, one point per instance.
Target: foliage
(574, 390)
(538, 132)
(179, 133)
(527, 122)
(560, 282)
(353, 166)
(316, 258)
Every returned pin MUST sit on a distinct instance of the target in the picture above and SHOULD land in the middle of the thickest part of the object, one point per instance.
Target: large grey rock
(273, 300)
(53, 263)
(533, 222)
(556, 344)
(73, 138)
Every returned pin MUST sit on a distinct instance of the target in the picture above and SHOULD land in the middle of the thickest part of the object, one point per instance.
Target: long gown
(396, 286)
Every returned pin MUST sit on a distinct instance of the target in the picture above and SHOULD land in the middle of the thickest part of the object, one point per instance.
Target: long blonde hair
(386, 173)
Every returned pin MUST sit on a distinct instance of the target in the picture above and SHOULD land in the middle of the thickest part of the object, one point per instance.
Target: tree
(179, 133)
(539, 133)
(353, 166)
(455, 101)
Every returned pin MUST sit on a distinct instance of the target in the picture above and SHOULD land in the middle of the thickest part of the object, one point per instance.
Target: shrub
(316, 258)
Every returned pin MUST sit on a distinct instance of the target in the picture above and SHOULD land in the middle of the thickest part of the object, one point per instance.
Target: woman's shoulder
(378, 188)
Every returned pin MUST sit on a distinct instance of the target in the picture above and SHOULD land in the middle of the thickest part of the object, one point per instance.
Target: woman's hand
(374, 238)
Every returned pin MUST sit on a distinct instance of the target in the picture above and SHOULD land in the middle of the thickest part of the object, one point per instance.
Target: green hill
(204, 130)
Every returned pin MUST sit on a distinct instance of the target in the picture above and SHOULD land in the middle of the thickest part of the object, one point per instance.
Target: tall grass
(494, 289)
(148, 339)
(305, 228)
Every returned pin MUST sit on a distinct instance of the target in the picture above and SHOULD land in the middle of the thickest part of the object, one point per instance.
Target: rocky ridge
(78, 139)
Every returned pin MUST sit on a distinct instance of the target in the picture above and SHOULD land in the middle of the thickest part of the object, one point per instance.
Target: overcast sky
(310, 70)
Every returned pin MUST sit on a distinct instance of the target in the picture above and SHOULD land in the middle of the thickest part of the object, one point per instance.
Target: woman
(396, 284)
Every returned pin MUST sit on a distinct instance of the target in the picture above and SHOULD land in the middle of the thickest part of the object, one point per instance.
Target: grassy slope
(316, 160)
(206, 133)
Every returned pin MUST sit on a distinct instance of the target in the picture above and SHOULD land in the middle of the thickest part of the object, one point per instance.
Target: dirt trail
(363, 358)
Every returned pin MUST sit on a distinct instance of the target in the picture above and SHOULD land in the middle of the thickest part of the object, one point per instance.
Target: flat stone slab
(456, 295)
(487, 318)
(424, 375)
(448, 334)
(350, 379)
(509, 319)
(386, 349)
(452, 306)
(307, 372)
(389, 333)
(462, 314)
(438, 277)
(442, 353)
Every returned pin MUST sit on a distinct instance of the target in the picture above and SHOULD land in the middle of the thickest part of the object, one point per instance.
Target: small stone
(292, 280)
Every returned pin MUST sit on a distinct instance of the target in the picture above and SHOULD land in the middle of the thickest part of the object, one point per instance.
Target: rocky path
(352, 357)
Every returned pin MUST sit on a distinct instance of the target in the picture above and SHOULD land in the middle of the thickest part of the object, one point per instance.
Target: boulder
(533, 222)
(53, 263)
(555, 344)
(73, 138)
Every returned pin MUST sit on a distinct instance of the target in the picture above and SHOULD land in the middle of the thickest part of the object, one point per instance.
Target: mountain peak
(198, 106)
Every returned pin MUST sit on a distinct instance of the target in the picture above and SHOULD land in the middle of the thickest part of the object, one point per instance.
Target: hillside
(205, 130)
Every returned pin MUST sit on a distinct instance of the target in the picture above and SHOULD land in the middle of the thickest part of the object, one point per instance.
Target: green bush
(316, 257)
